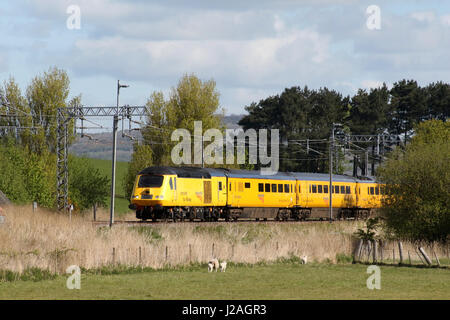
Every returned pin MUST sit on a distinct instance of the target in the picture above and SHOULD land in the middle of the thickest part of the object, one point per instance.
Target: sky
(252, 49)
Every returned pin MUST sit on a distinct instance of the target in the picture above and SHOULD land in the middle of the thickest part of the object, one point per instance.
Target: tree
(417, 204)
(87, 186)
(45, 95)
(300, 114)
(408, 102)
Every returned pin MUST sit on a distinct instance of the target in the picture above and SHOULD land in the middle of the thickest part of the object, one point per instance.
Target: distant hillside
(100, 147)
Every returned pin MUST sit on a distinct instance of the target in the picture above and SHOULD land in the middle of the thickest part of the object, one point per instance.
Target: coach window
(299, 189)
(170, 183)
(319, 189)
(372, 191)
(286, 188)
(342, 189)
(220, 185)
(336, 189)
(280, 188)
(382, 190)
(274, 187)
(291, 188)
(175, 183)
(247, 185)
(260, 187)
(230, 186)
(314, 188)
(325, 189)
(267, 187)
(347, 189)
(377, 191)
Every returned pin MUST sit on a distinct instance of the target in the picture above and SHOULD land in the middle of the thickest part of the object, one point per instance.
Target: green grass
(105, 168)
(282, 280)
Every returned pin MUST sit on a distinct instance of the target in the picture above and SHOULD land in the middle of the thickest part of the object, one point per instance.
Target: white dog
(223, 266)
(213, 264)
(304, 259)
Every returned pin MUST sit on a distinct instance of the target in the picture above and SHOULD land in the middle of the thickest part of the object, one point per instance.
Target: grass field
(281, 280)
(104, 166)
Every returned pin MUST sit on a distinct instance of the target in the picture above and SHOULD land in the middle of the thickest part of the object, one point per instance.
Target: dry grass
(51, 241)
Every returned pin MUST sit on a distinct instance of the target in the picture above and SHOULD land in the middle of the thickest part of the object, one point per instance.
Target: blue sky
(252, 49)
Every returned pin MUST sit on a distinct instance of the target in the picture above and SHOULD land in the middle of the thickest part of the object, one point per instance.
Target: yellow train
(208, 194)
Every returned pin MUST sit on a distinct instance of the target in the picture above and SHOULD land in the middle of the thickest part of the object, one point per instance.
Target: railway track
(143, 223)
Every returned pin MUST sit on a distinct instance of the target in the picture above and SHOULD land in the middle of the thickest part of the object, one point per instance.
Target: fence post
(409, 257)
(381, 251)
(356, 254)
(375, 248)
(140, 256)
(400, 252)
(190, 253)
(167, 253)
(427, 259)
(114, 256)
(437, 259)
(212, 251)
(393, 254)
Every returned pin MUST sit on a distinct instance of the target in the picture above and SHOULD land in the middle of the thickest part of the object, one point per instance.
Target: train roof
(197, 172)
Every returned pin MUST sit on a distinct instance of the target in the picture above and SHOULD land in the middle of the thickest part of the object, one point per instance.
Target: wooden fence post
(393, 254)
(212, 250)
(409, 257)
(190, 253)
(140, 256)
(114, 256)
(167, 253)
(427, 259)
(375, 248)
(437, 259)
(356, 254)
(381, 251)
(400, 252)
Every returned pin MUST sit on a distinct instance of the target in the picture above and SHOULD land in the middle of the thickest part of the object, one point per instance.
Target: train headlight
(136, 197)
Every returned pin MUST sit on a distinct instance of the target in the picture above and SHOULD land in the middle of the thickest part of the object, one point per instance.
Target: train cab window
(319, 188)
(274, 187)
(377, 191)
(347, 190)
(149, 181)
(171, 184)
(175, 183)
(342, 189)
(220, 185)
(314, 188)
(372, 191)
(336, 189)
(280, 188)
(247, 185)
(286, 188)
(260, 187)
(291, 188)
(325, 189)
(267, 187)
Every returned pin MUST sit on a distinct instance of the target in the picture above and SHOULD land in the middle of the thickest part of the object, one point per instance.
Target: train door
(207, 195)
